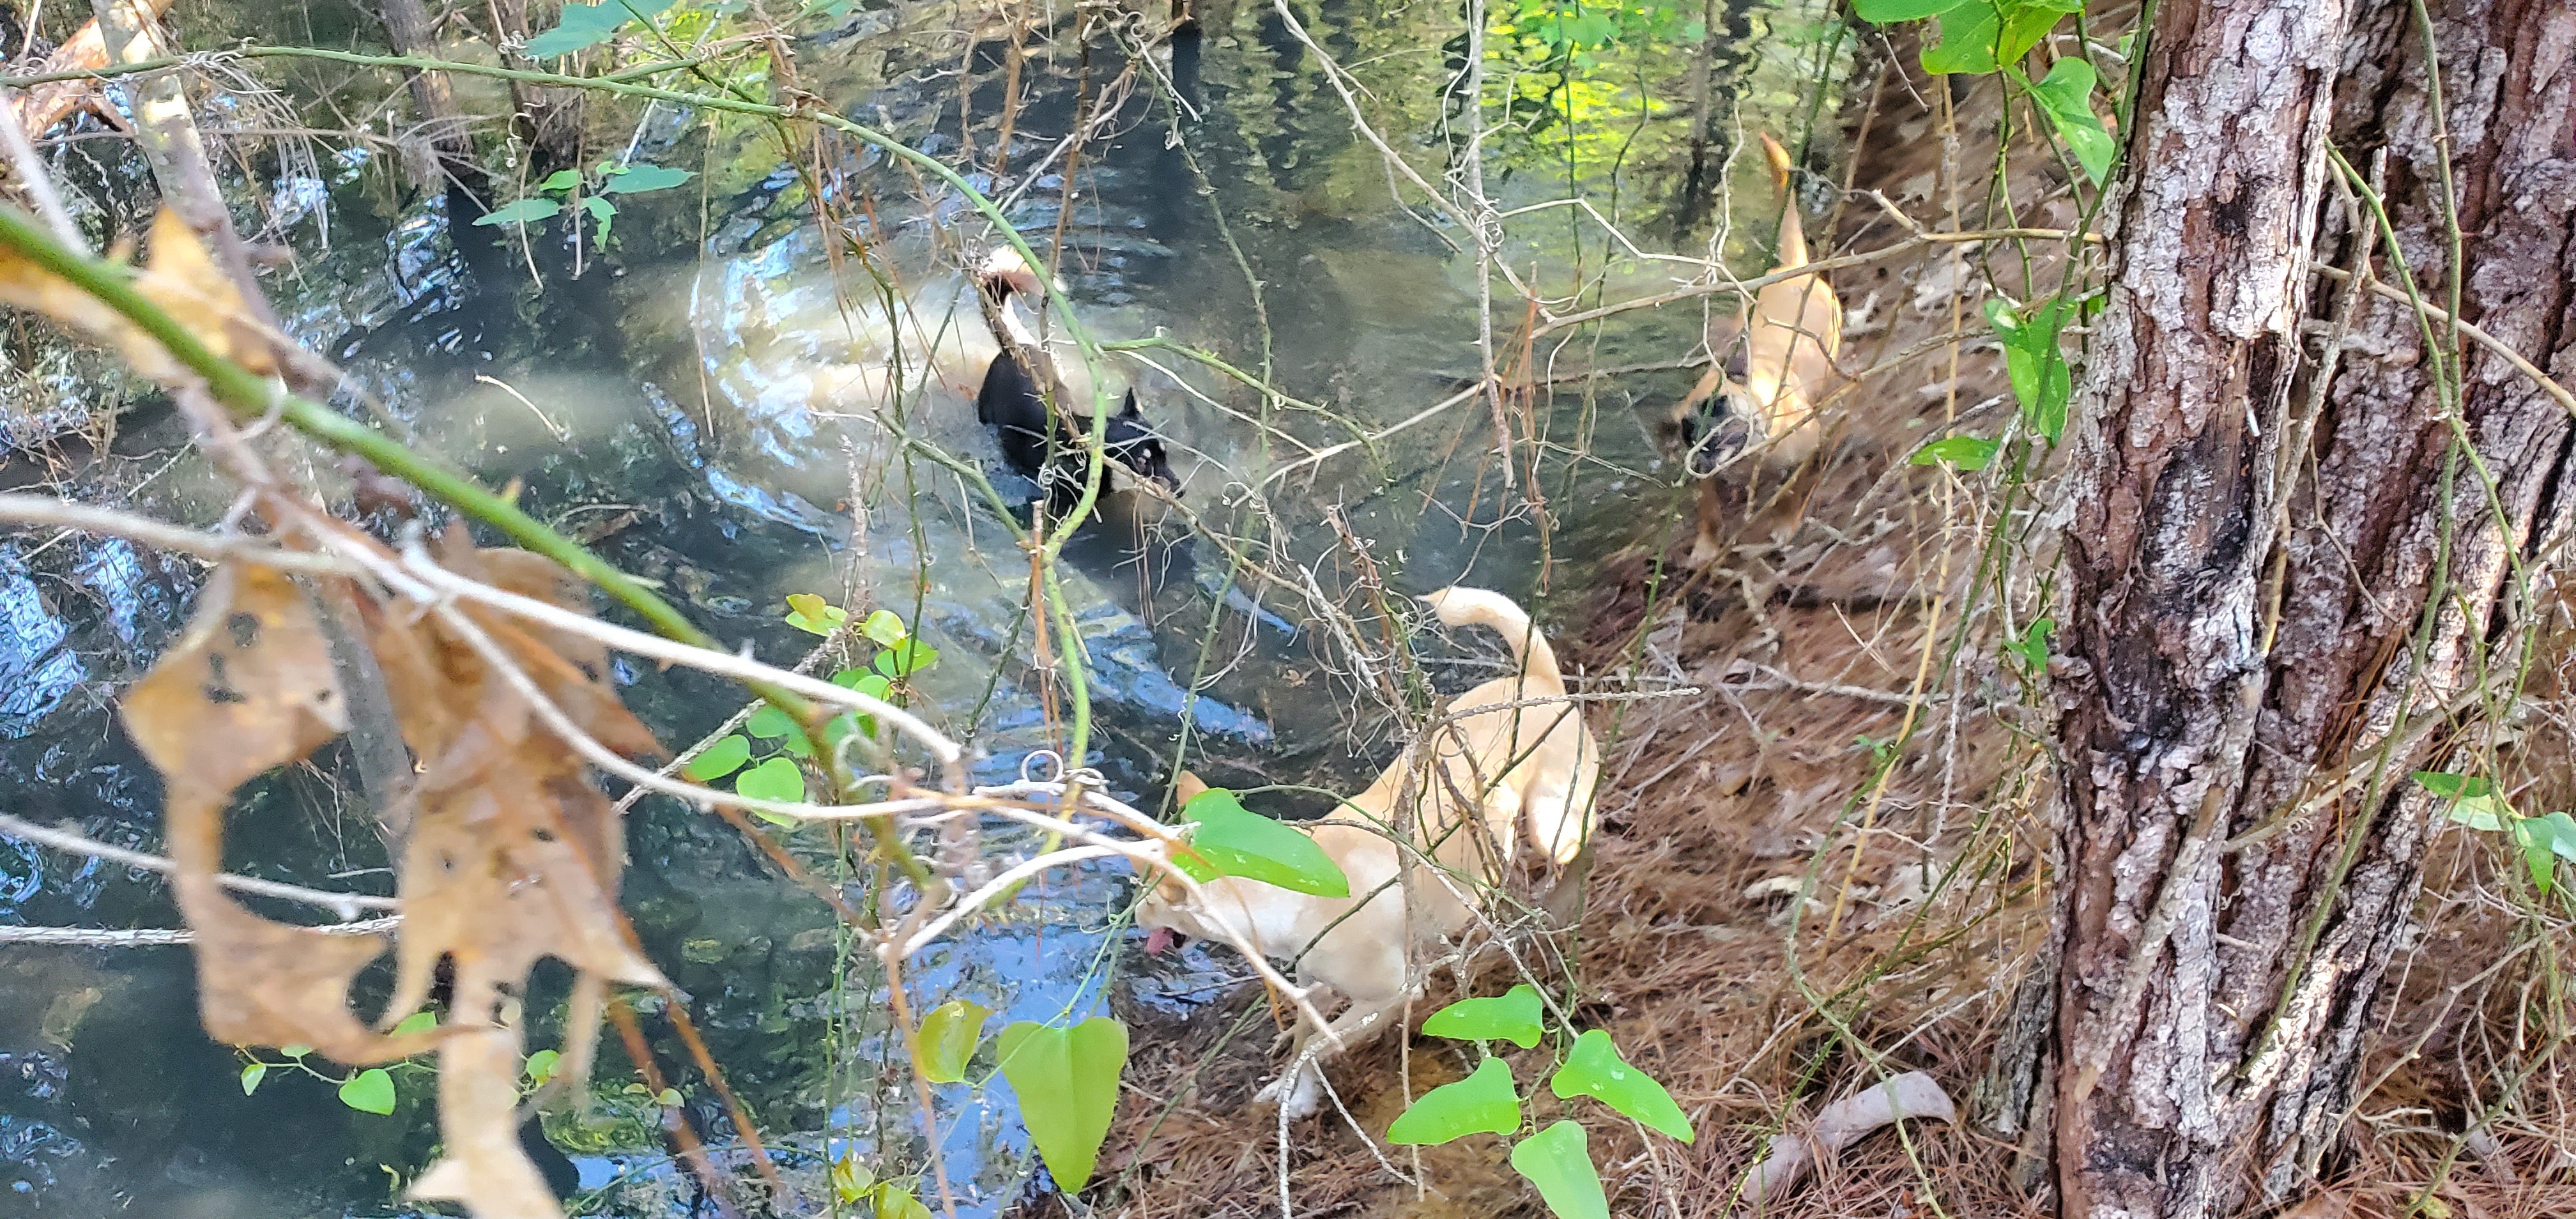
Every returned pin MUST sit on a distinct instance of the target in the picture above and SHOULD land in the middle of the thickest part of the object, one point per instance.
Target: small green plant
(762, 758)
(567, 190)
(1558, 1158)
(2544, 839)
(368, 1091)
(855, 1184)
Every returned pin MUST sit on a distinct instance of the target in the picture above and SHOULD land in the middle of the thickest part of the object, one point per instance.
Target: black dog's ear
(1127, 409)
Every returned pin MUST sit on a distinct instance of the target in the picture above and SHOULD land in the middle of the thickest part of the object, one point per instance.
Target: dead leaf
(1843, 1123)
(512, 854)
(249, 687)
(483, 1166)
(181, 278)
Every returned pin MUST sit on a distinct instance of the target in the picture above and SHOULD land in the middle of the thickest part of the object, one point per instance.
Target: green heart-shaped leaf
(369, 1091)
(1235, 841)
(1889, 12)
(1067, 1081)
(2066, 97)
(769, 723)
(639, 179)
(947, 1039)
(776, 779)
(718, 760)
(1558, 1160)
(1965, 452)
(884, 628)
(1595, 1069)
(1482, 1103)
(525, 211)
(1512, 1016)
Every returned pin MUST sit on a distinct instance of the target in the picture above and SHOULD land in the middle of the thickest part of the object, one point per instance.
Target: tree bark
(2257, 529)
(444, 147)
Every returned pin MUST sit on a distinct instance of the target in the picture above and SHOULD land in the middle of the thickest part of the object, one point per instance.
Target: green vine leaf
(805, 611)
(525, 211)
(602, 211)
(417, 1022)
(561, 180)
(369, 1091)
(1595, 1069)
(1482, 1103)
(947, 1040)
(1967, 44)
(588, 25)
(884, 628)
(2041, 379)
(720, 759)
(251, 1075)
(641, 179)
(852, 1181)
(769, 723)
(895, 1202)
(2032, 647)
(1889, 12)
(541, 1066)
(1558, 1160)
(1231, 840)
(1512, 1016)
(1965, 452)
(2066, 97)
(776, 779)
(1067, 1081)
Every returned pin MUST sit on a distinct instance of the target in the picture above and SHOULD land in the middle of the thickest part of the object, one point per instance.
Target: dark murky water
(705, 404)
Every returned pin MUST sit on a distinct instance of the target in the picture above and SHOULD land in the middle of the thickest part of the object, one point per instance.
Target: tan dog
(1479, 783)
(1768, 371)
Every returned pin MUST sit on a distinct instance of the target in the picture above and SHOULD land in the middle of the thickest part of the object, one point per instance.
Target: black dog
(1012, 403)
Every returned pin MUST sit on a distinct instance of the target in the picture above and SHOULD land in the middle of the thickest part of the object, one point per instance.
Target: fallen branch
(1843, 1123)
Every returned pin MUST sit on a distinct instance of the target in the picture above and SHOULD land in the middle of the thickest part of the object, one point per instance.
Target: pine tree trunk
(2256, 533)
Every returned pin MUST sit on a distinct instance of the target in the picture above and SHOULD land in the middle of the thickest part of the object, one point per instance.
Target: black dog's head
(1712, 433)
(1133, 444)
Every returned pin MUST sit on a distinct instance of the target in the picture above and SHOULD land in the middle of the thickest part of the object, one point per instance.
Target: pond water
(708, 403)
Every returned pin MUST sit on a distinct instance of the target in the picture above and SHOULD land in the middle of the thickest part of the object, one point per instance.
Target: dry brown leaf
(182, 278)
(248, 687)
(484, 1167)
(511, 854)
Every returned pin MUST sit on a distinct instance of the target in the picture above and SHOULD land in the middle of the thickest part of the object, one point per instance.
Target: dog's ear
(1127, 409)
(1735, 363)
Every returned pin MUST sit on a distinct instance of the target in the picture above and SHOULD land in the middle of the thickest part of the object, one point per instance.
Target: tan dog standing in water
(1490, 778)
(1768, 371)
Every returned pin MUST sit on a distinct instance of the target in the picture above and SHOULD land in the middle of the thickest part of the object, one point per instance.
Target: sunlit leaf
(541, 1065)
(2066, 97)
(1595, 1069)
(947, 1039)
(1965, 452)
(369, 1091)
(895, 1202)
(1968, 34)
(1235, 841)
(1482, 1103)
(813, 615)
(417, 1022)
(884, 628)
(720, 759)
(1512, 1016)
(1067, 1081)
(525, 211)
(2040, 377)
(852, 1181)
(2538, 851)
(1558, 1160)
(639, 179)
(561, 180)
(295, 1051)
(251, 1075)
(1889, 12)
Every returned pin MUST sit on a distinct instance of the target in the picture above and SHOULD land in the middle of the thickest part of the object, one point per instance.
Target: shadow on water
(701, 405)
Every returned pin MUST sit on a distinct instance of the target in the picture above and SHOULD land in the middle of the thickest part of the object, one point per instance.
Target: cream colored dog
(1769, 369)
(1512, 760)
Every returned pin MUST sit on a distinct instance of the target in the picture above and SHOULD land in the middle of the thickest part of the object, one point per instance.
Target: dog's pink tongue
(1158, 941)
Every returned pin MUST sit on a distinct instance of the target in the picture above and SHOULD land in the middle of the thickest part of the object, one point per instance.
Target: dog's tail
(1793, 233)
(1460, 606)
